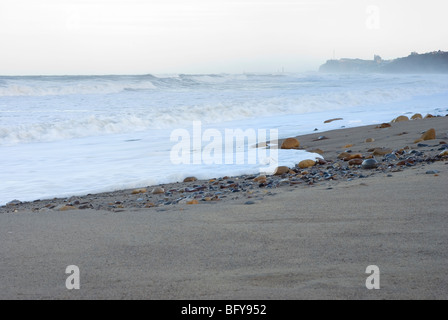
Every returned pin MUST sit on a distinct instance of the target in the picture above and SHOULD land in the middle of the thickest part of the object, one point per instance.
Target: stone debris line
(249, 189)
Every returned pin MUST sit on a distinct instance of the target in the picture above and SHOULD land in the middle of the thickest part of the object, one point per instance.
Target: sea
(62, 136)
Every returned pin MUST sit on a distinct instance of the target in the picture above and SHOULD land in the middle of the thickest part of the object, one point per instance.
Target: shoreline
(298, 236)
(400, 136)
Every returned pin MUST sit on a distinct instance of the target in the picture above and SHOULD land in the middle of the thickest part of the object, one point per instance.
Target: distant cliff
(432, 62)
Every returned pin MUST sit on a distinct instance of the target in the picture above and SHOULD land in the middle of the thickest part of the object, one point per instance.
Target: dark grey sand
(295, 242)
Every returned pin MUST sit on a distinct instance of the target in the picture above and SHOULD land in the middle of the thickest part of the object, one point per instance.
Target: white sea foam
(57, 108)
(77, 135)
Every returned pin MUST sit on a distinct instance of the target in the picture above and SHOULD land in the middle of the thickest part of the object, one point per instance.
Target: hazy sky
(210, 36)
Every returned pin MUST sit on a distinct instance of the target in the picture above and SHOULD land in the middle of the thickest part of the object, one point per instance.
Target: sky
(210, 36)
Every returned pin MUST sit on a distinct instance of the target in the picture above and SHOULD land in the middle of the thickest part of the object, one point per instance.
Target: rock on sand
(290, 143)
(369, 164)
(331, 120)
(306, 163)
(281, 170)
(400, 119)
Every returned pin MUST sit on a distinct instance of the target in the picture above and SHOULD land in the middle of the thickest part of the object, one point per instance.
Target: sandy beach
(307, 234)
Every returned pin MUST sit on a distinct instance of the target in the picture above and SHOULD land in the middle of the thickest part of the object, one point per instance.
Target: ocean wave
(40, 88)
(72, 85)
(171, 101)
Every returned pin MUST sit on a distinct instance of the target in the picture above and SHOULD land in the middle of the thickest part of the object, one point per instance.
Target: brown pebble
(343, 155)
(306, 164)
(383, 125)
(331, 120)
(381, 151)
(355, 156)
(190, 179)
(290, 143)
(355, 162)
(66, 208)
(400, 119)
(158, 190)
(281, 170)
(428, 135)
(404, 162)
(137, 191)
(369, 140)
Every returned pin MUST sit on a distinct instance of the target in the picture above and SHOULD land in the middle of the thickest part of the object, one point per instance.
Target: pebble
(381, 151)
(432, 171)
(331, 120)
(158, 190)
(306, 164)
(427, 135)
(355, 156)
(369, 164)
(415, 153)
(343, 155)
(391, 157)
(290, 143)
(14, 203)
(281, 170)
(249, 202)
(400, 119)
(355, 162)
(65, 208)
(137, 191)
